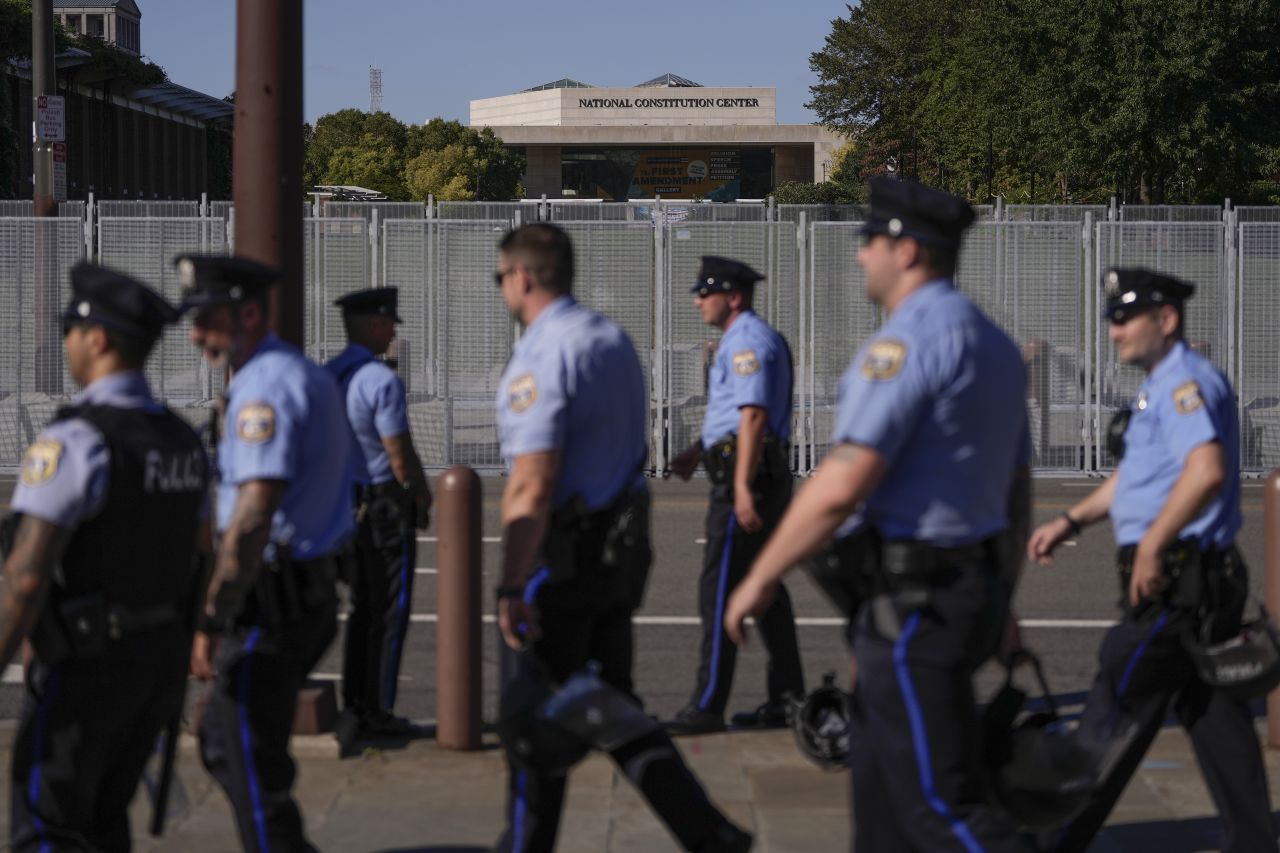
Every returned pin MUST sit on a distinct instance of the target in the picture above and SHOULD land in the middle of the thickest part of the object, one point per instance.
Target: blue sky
(437, 55)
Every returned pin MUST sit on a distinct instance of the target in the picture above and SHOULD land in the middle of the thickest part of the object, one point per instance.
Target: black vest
(139, 551)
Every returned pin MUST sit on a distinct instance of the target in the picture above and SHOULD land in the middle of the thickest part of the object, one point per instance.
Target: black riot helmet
(821, 724)
(1245, 666)
(1039, 773)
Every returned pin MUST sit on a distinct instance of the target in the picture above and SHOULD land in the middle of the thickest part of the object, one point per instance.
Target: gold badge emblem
(256, 423)
(745, 363)
(41, 461)
(522, 393)
(1186, 397)
(884, 359)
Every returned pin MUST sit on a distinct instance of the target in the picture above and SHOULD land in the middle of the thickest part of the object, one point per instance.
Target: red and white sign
(51, 118)
(60, 171)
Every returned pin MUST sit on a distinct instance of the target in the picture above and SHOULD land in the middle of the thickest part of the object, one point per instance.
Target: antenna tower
(375, 89)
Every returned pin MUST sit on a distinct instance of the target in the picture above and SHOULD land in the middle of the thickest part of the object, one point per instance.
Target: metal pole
(1271, 556)
(43, 83)
(458, 646)
(268, 149)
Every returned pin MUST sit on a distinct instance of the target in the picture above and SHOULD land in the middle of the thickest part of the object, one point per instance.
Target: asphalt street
(1064, 609)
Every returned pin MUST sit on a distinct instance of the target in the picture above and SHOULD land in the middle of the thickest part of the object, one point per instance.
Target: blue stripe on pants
(392, 663)
(37, 754)
(718, 636)
(919, 738)
(246, 742)
(520, 809)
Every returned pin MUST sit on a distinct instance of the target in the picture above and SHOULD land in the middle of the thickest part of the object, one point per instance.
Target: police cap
(209, 280)
(377, 300)
(126, 306)
(1132, 290)
(721, 275)
(901, 208)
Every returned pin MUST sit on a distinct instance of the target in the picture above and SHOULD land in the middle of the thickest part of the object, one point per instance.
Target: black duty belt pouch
(608, 542)
(847, 572)
(387, 506)
(73, 628)
(721, 458)
(1184, 566)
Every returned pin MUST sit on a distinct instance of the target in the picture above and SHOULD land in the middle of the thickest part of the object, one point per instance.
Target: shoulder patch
(1187, 397)
(746, 363)
(41, 461)
(884, 359)
(522, 392)
(256, 423)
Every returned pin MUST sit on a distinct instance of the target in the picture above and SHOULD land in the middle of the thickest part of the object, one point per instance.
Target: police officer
(392, 498)
(1174, 500)
(745, 449)
(931, 436)
(571, 415)
(111, 492)
(284, 511)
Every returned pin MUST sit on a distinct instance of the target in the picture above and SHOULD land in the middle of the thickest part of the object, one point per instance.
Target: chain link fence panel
(1193, 252)
(688, 344)
(162, 209)
(146, 249)
(1258, 387)
(1170, 213)
(1054, 212)
(338, 259)
(36, 257)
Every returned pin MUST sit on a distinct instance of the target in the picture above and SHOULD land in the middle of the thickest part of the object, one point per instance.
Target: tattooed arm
(38, 546)
(240, 551)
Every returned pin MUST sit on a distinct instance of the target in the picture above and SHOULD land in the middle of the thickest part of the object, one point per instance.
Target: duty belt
(721, 458)
(287, 588)
(910, 559)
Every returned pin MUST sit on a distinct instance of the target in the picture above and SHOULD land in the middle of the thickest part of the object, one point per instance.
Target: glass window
(95, 26)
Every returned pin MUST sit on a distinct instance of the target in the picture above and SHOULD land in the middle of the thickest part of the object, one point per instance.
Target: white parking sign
(51, 118)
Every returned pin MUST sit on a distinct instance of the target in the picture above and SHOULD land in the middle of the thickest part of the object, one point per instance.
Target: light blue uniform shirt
(66, 470)
(938, 392)
(285, 421)
(375, 403)
(1184, 403)
(752, 368)
(574, 384)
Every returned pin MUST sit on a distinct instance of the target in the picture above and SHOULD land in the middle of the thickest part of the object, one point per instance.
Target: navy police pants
(587, 619)
(727, 558)
(1143, 669)
(244, 734)
(915, 745)
(381, 601)
(86, 732)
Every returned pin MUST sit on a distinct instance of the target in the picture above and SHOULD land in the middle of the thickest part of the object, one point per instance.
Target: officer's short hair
(132, 350)
(942, 262)
(546, 250)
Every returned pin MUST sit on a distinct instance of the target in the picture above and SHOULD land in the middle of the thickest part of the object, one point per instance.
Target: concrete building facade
(669, 137)
(117, 22)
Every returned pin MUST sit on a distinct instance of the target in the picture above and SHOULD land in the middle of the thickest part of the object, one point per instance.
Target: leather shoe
(692, 720)
(770, 715)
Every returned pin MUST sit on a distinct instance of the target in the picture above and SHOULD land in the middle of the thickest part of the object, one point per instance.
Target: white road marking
(424, 571)
(700, 541)
(801, 621)
(482, 539)
(13, 673)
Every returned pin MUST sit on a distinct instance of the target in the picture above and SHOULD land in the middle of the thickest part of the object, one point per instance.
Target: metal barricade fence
(1041, 280)
(685, 342)
(36, 257)
(337, 262)
(365, 210)
(1192, 251)
(185, 209)
(1258, 350)
(1054, 212)
(146, 248)
(1170, 212)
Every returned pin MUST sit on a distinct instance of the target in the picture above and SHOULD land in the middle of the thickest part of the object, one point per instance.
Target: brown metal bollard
(1271, 559)
(458, 648)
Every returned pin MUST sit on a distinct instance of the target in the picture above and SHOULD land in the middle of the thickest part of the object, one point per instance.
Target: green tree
(370, 164)
(350, 128)
(474, 167)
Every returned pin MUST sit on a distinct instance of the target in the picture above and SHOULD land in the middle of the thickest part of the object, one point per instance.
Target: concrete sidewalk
(416, 797)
